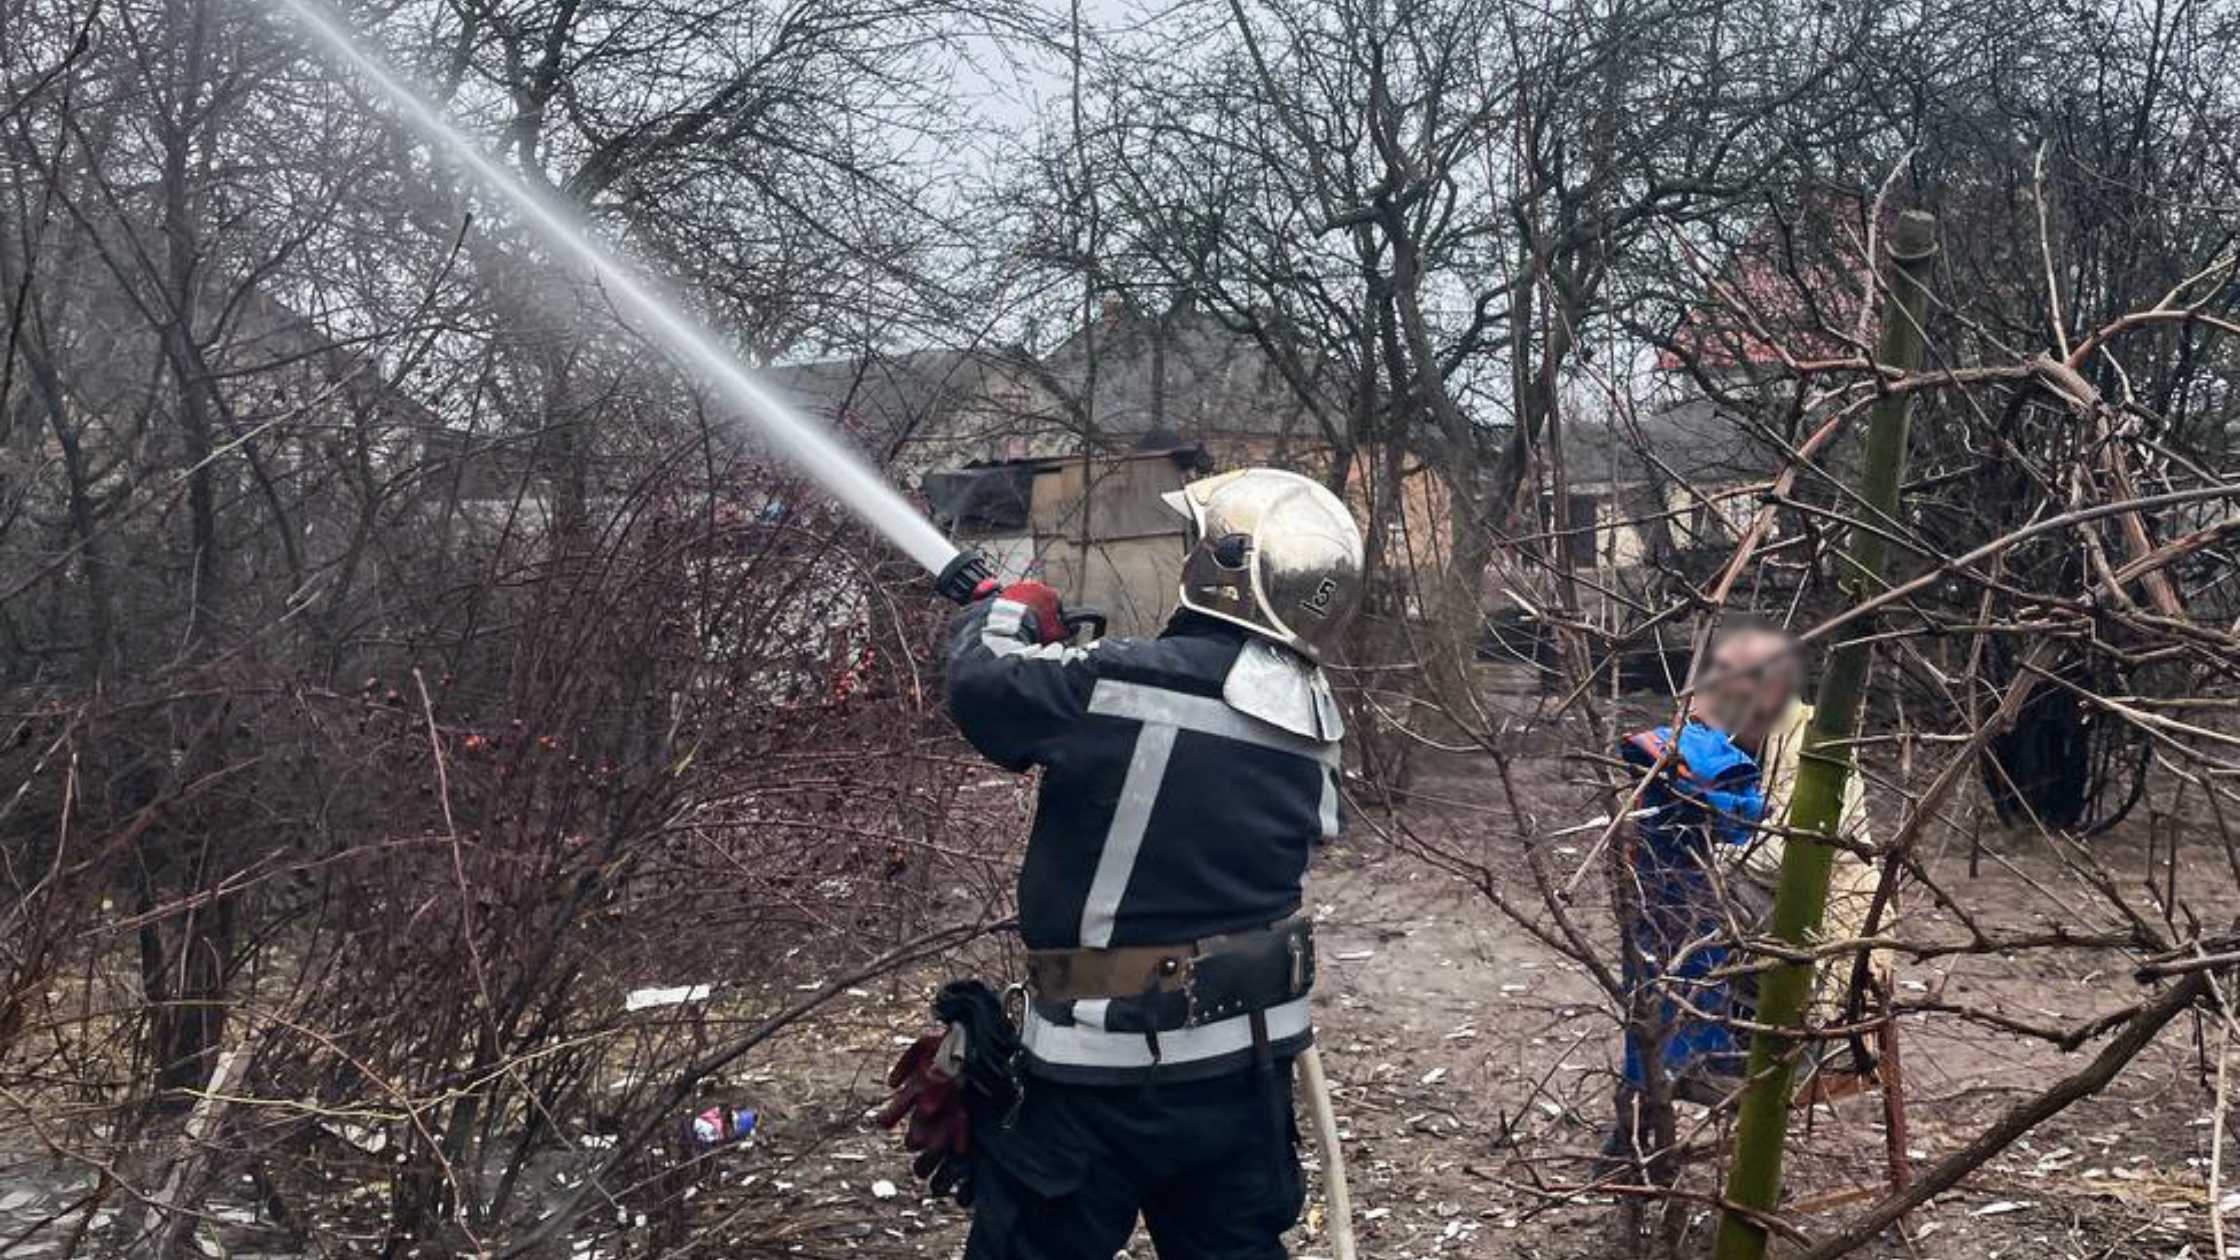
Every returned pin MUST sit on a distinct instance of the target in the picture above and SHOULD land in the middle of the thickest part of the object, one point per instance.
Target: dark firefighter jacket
(1166, 815)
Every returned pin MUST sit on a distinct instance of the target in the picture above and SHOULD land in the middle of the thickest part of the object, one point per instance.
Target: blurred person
(1755, 693)
(1706, 862)
(1185, 780)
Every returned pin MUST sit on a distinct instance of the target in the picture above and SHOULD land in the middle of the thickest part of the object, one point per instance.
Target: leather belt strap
(1070, 975)
(1126, 971)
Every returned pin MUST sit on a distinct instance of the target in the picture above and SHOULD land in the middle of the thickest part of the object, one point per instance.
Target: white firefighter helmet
(1274, 552)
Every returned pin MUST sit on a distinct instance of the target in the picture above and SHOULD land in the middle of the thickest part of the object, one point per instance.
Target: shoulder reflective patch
(1203, 715)
(1284, 689)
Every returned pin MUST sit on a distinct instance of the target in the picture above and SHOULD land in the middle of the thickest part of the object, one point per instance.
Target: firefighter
(1185, 781)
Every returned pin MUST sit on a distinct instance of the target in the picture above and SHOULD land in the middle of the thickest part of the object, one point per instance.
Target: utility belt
(1239, 973)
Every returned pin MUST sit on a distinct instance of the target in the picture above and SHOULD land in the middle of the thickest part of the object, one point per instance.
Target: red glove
(926, 1082)
(1045, 620)
(1646, 748)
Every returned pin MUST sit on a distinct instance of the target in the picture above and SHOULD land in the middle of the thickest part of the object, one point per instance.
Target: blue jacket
(1708, 797)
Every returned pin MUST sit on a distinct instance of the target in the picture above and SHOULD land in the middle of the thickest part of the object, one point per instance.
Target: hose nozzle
(960, 579)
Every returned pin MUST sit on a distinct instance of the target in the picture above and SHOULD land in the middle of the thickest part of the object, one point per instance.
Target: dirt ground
(1472, 1067)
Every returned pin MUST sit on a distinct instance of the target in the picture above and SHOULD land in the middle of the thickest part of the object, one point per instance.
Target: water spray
(800, 442)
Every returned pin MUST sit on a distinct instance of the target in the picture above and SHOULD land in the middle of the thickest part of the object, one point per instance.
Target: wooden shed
(1093, 526)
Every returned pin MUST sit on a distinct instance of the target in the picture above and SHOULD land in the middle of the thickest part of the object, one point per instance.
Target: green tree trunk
(1816, 808)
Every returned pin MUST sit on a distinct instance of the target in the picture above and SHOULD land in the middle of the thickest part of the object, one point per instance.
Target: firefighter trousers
(1211, 1166)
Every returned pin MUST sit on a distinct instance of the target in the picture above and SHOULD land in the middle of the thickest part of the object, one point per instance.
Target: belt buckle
(1178, 964)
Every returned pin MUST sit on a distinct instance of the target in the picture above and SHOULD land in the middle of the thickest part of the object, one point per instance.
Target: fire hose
(1325, 1121)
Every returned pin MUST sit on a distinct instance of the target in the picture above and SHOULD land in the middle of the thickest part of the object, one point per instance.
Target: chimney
(1115, 310)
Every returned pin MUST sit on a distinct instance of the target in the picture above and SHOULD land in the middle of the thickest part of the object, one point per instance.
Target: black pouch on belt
(992, 1050)
(1181, 986)
(1251, 971)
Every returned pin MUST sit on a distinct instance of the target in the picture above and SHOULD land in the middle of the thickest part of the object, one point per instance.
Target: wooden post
(1816, 808)
(1895, 1135)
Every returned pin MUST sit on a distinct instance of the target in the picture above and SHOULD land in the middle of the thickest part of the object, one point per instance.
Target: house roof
(1169, 381)
(268, 333)
(886, 399)
(1184, 376)
(1695, 440)
(1790, 278)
